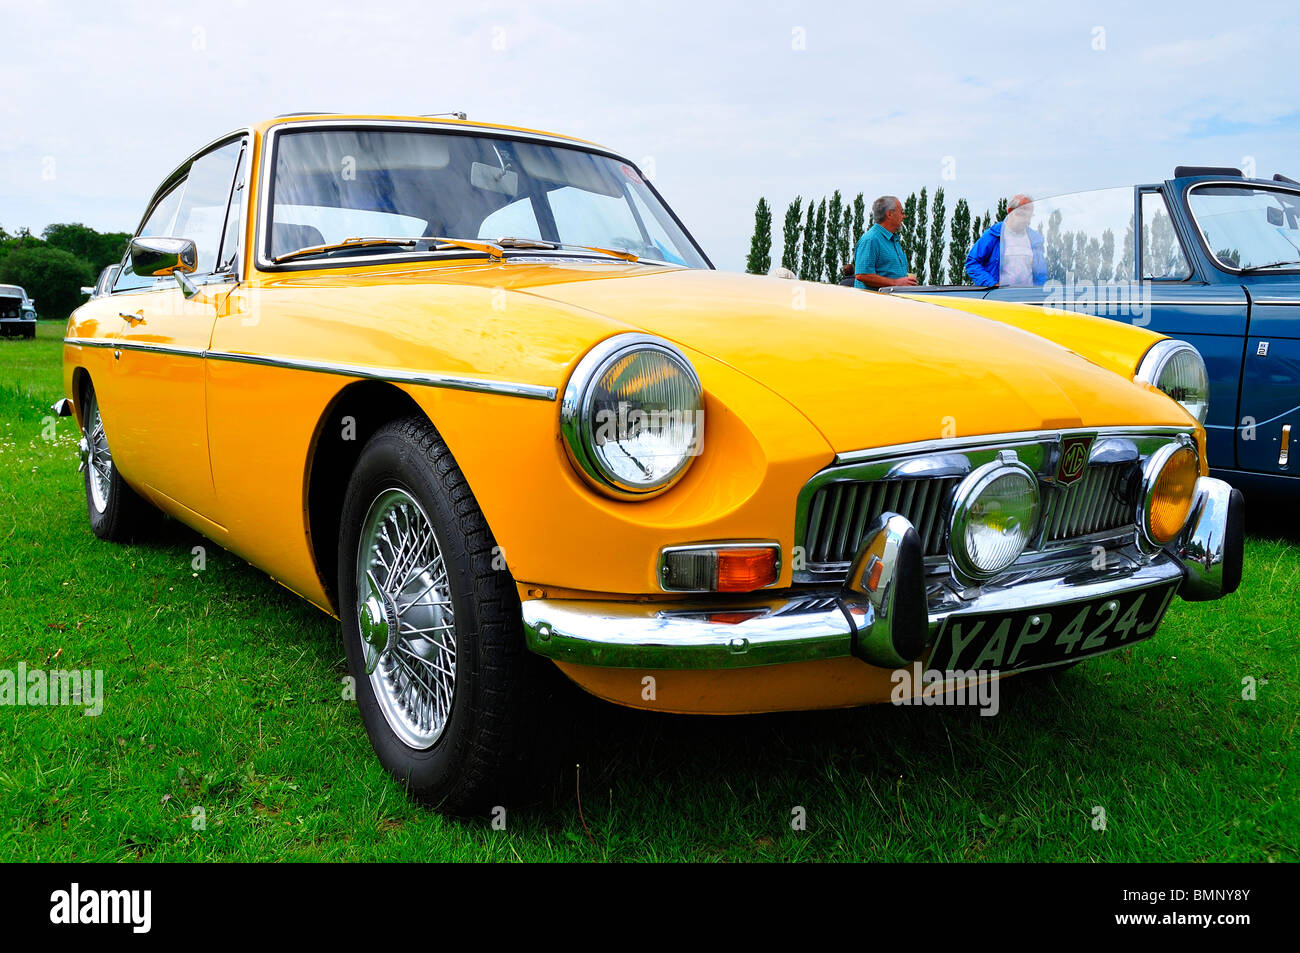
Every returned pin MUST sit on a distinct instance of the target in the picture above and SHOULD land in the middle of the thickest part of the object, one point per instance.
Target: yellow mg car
(475, 391)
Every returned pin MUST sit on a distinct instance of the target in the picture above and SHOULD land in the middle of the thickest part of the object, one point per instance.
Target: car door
(160, 360)
(1270, 382)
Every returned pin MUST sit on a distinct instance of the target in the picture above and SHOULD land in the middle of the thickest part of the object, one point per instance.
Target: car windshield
(1248, 227)
(331, 185)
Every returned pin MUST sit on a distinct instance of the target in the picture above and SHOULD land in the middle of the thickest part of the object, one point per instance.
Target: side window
(159, 223)
(234, 222)
(1162, 253)
(202, 213)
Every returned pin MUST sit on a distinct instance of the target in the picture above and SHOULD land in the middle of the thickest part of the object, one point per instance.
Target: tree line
(53, 268)
(818, 239)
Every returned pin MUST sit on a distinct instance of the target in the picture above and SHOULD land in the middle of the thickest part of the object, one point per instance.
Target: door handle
(133, 319)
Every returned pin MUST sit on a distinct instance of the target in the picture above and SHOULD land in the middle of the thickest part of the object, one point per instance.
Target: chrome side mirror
(163, 256)
(158, 257)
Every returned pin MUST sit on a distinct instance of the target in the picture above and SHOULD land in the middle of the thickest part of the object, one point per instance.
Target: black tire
(30, 333)
(489, 727)
(117, 513)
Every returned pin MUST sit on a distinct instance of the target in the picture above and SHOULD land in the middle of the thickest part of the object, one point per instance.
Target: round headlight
(1168, 487)
(633, 416)
(994, 513)
(1177, 368)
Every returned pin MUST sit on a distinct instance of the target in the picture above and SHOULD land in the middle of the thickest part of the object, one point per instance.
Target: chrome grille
(1098, 502)
(841, 512)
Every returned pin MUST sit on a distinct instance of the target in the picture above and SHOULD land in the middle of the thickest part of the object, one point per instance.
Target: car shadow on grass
(873, 768)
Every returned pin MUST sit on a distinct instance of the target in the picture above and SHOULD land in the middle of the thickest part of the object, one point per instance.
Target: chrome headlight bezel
(968, 491)
(578, 427)
(1157, 360)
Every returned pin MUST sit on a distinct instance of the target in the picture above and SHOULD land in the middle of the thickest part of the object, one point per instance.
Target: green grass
(223, 691)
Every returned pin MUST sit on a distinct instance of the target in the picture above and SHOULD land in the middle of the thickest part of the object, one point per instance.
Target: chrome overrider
(888, 612)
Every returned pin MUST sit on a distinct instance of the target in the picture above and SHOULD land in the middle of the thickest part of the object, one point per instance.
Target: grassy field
(223, 693)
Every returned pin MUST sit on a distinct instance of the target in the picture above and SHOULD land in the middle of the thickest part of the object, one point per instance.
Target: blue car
(1215, 263)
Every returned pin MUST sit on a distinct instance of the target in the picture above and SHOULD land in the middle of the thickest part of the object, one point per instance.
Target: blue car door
(1270, 382)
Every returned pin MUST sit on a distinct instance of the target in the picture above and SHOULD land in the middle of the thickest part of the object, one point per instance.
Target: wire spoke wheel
(407, 623)
(96, 458)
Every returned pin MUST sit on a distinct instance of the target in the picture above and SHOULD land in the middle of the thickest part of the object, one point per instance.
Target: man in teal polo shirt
(879, 260)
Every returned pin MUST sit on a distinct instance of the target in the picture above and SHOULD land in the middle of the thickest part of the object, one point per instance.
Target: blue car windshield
(1248, 227)
(338, 183)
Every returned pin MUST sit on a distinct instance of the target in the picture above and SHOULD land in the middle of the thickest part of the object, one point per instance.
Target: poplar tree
(760, 246)
(907, 231)
(960, 244)
(921, 241)
(831, 251)
(859, 219)
(1002, 209)
(938, 238)
(819, 244)
(809, 235)
(847, 248)
(790, 235)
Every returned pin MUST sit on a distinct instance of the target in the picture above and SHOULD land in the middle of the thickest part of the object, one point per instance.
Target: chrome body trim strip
(393, 375)
(428, 379)
(1002, 441)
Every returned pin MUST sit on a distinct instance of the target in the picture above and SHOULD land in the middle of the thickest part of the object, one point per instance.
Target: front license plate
(1033, 638)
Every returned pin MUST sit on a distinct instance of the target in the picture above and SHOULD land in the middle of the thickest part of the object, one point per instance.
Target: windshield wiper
(424, 243)
(510, 241)
(496, 250)
(1271, 264)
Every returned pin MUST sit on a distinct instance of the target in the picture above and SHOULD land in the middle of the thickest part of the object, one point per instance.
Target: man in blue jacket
(1009, 253)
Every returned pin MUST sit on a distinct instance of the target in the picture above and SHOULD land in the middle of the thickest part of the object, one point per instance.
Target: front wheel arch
(335, 447)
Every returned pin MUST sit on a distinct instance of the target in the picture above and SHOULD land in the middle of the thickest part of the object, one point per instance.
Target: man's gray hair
(883, 206)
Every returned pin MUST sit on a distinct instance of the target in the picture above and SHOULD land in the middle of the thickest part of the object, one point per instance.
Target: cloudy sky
(721, 102)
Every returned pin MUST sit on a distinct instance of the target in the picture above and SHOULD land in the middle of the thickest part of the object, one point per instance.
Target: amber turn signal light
(1170, 485)
(719, 567)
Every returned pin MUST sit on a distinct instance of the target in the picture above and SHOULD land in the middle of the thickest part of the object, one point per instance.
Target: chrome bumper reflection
(873, 624)
(795, 627)
(1213, 545)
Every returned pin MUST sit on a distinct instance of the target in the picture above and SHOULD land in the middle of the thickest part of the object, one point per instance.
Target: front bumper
(834, 623)
(19, 326)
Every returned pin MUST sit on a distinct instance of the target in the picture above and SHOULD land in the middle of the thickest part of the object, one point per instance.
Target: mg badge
(1074, 459)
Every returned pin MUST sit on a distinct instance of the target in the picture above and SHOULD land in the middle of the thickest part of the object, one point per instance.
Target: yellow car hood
(869, 370)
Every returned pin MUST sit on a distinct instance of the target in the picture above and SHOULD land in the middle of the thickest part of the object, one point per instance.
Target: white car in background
(17, 313)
